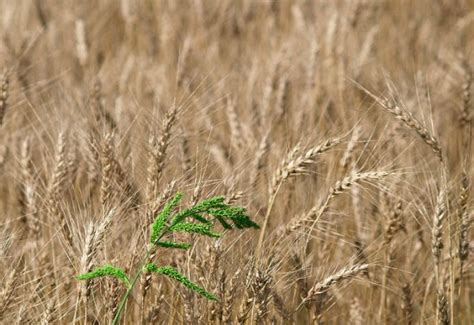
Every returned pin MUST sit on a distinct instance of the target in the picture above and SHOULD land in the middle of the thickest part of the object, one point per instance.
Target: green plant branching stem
(123, 301)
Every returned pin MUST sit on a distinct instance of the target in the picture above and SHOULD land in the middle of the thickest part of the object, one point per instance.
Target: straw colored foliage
(321, 152)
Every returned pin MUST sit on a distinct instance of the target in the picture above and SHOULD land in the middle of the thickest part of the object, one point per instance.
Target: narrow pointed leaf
(223, 222)
(171, 244)
(163, 216)
(200, 218)
(202, 229)
(172, 273)
(106, 270)
(236, 215)
(202, 207)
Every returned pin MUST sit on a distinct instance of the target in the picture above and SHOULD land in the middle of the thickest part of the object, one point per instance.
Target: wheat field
(342, 128)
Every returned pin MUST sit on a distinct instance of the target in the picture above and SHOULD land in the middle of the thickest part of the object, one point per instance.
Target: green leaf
(216, 207)
(236, 215)
(198, 228)
(202, 207)
(213, 202)
(106, 270)
(200, 218)
(170, 244)
(224, 223)
(172, 273)
(163, 216)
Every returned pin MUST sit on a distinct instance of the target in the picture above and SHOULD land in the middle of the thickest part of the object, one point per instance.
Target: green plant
(191, 220)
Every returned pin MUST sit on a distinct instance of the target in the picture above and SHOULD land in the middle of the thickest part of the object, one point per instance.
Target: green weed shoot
(199, 219)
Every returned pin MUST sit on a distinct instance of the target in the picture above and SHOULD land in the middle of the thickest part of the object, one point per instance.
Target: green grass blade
(106, 270)
(163, 216)
(171, 244)
(198, 228)
(172, 273)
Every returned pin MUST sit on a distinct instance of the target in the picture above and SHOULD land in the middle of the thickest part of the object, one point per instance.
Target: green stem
(124, 300)
(137, 275)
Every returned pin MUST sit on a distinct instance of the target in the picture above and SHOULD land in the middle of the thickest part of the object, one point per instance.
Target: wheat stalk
(106, 185)
(262, 293)
(259, 161)
(280, 306)
(340, 187)
(8, 289)
(437, 231)
(409, 121)
(323, 286)
(49, 313)
(295, 164)
(442, 308)
(234, 123)
(81, 43)
(229, 297)
(466, 114)
(407, 304)
(463, 217)
(157, 154)
(55, 188)
(4, 86)
(356, 312)
(102, 117)
(94, 239)
(29, 190)
(348, 154)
